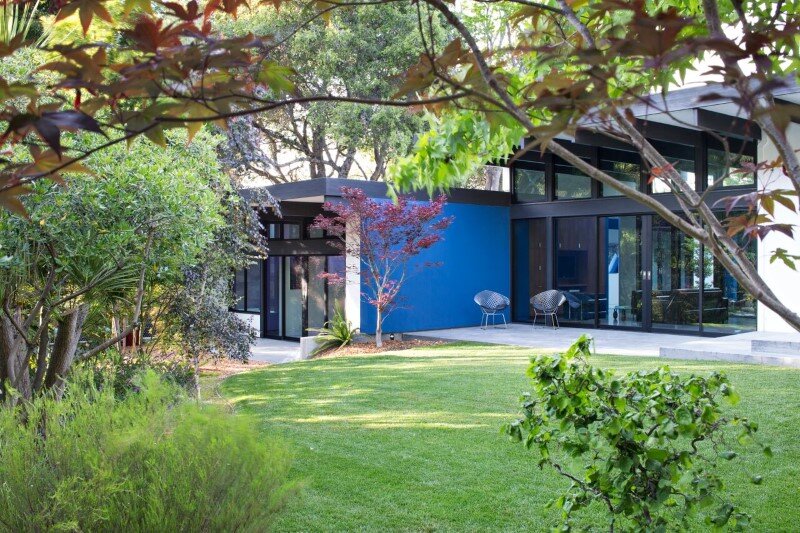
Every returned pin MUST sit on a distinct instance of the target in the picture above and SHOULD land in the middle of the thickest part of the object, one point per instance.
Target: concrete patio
(275, 351)
(546, 338)
(779, 349)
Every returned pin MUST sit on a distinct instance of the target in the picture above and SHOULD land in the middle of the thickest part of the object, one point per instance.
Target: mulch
(225, 367)
(367, 348)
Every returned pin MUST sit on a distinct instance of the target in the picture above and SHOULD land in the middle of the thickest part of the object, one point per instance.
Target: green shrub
(151, 461)
(643, 445)
(337, 333)
(127, 370)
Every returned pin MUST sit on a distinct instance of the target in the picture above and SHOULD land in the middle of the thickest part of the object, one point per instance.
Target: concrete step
(776, 346)
(751, 357)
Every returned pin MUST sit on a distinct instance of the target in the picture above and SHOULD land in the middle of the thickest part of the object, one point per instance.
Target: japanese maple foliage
(387, 236)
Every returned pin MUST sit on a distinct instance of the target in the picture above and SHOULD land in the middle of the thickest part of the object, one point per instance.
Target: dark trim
(701, 162)
(325, 246)
(614, 205)
(331, 189)
(728, 125)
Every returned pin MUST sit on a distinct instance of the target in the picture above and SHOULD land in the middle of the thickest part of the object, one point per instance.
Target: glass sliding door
(576, 269)
(620, 294)
(675, 278)
(294, 291)
(727, 307)
(316, 292)
(272, 322)
(335, 294)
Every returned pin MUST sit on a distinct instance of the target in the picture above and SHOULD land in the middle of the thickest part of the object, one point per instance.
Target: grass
(410, 441)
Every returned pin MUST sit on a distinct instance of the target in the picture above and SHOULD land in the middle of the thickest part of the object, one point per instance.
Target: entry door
(622, 295)
(272, 318)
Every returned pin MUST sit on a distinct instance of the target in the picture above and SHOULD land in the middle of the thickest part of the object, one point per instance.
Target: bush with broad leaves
(645, 444)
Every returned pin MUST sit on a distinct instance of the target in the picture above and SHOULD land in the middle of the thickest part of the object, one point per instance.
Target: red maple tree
(386, 236)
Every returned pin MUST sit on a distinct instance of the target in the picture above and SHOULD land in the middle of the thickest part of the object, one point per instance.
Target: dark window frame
(694, 147)
(241, 306)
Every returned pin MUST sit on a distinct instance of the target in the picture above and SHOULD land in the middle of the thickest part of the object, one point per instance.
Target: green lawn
(410, 441)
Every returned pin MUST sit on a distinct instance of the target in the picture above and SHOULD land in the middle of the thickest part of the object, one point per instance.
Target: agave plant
(18, 18)
(336, 333)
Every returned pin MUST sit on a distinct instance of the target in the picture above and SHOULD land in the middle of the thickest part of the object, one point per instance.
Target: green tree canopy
(351, 52)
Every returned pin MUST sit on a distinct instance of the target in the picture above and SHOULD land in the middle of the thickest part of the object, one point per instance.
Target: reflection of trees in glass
(624, 171)
(729, 166)
(529, 184)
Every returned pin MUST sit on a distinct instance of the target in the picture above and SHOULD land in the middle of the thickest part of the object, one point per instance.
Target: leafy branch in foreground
(645, 445)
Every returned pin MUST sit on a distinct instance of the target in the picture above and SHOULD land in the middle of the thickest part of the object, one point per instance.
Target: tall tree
(91, 259)
(351, 52)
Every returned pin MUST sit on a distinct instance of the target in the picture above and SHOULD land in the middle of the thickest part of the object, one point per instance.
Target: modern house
(619, 265)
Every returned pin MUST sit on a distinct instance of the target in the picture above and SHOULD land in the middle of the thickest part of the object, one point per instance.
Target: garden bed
(364, 347)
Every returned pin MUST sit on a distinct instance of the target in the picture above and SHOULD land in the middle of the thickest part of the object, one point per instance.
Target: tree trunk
(196, 377)
(493, 176)
(14, 372)
(317, 166)
(379, 329)
(65, 344)
(347, 164)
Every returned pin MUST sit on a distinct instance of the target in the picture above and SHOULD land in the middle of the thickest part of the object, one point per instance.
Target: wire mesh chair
(547, 303)
(491, 304)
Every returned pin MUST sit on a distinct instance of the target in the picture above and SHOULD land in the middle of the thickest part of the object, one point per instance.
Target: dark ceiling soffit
(377, 189)
(728, 125)
(294, 209)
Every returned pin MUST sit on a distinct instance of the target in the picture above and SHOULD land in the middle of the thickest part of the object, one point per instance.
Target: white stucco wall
(784, 281)
(253, 319)
(352, 288)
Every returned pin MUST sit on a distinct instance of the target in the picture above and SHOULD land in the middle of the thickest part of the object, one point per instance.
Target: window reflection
(571, 183)
(733, 169)
(620, 278)
(675, 276)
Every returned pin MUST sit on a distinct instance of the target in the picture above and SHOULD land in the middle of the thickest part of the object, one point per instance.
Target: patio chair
(491, 304)
(547, 303)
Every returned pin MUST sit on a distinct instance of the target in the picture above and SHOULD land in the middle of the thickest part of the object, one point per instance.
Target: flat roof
(319, 190)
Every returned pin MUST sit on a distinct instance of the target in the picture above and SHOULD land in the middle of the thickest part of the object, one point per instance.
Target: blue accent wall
(475, 255)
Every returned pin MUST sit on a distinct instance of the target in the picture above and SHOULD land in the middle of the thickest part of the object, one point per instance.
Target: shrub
(126, 371)
(337, 333)
(151, 461)
(644, 445)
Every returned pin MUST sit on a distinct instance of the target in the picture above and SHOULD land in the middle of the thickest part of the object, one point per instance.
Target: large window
(675, 277)
(571, 183)
(623, 166)
(731, 166)
(681, 157)
(620, 291)
(247, 288)
(529, 182)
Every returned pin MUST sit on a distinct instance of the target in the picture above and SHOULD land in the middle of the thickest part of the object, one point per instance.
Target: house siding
(475, 255)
